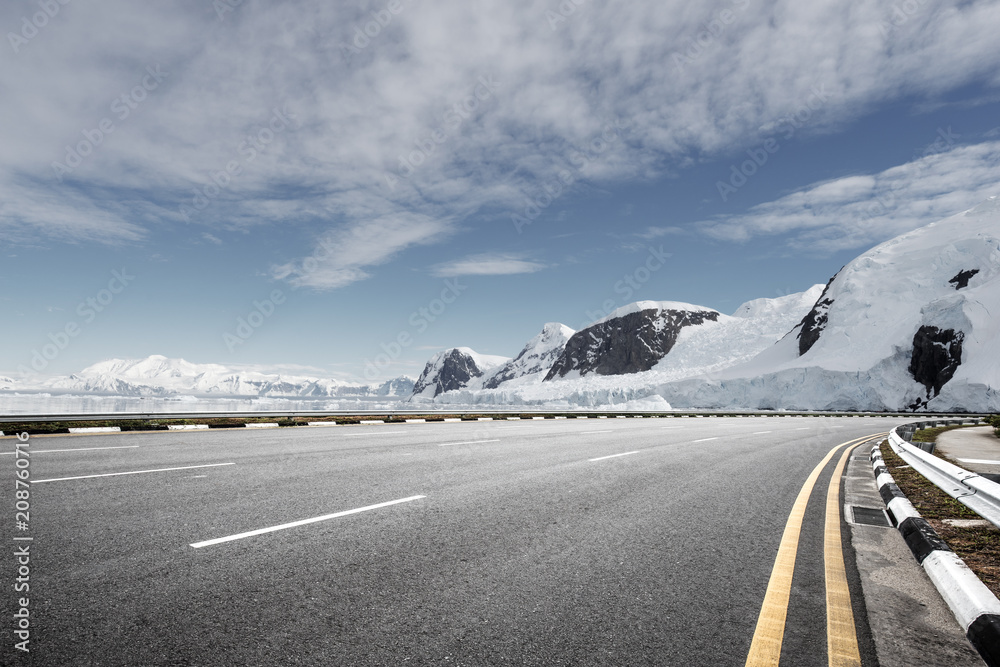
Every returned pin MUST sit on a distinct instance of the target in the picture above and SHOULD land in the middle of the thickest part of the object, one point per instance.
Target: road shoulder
(909, 621)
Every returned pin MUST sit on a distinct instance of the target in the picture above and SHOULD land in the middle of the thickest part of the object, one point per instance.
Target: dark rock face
(961, 280)
(629, 344)
(506, 373)
(814, 322)
(456, 369)
(937, 354)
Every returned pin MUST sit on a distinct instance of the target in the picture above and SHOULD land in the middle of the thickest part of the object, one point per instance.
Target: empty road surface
(558, 542)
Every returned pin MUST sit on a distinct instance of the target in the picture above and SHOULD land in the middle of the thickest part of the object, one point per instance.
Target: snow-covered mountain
(732, 339)
(631, 339)
(456, 368)
(159, 376)
(398, 387)
(537, 356)
(913, 323)
(643, 329)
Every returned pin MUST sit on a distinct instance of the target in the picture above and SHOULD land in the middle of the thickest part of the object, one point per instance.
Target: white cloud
(338, 170)
(60, 212)
(858, 211)
(341, 255)
(487, 264)
(659, 232)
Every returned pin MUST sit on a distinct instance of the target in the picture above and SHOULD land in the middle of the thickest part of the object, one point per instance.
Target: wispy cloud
(343, 255)
(651, 233)
(29, 209)
(488, 264)
(857, 211)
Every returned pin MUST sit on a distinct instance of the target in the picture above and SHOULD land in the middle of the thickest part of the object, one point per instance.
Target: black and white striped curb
(975, 607)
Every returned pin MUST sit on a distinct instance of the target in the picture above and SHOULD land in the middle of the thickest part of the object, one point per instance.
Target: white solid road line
(81, 449)
(704, 440)
(760, 432)
(293, 524)
(467, 442)
(372, 432)
(133, 472)
(983, 461)
(613, 456)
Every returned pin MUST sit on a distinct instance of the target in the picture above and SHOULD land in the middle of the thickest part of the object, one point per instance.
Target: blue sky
(272, 162)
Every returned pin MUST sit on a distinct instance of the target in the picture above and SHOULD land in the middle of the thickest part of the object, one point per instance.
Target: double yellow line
(842, 640)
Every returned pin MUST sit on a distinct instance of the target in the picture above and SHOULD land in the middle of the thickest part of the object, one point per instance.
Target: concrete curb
(975, 607)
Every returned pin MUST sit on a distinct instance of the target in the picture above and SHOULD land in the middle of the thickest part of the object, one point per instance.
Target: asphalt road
(518, 543)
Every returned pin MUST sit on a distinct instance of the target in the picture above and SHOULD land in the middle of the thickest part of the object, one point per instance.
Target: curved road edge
(975, 607)
(911, 624)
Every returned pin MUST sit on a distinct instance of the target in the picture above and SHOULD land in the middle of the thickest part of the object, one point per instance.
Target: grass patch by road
(994, 421)
(979, 547)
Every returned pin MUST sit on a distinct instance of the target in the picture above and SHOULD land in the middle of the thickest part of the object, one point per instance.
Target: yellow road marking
(765, 649)
(841, 637)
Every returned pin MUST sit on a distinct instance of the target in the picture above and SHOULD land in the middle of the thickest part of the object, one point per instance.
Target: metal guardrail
(979, 494)
(437, 411)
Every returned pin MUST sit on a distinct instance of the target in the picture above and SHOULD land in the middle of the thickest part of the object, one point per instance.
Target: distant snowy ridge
(159, 376)
(456, 368)
(537, 356)
(463, 369)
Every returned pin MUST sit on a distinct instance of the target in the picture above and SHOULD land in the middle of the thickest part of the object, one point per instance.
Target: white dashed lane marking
(613, 456)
